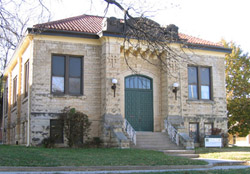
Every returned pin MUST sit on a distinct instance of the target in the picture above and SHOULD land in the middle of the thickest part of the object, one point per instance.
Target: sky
(207, 19)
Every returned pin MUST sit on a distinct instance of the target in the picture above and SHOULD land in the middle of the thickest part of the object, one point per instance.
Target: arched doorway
(139, 102)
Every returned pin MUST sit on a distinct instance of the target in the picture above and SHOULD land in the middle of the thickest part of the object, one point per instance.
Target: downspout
(29, 96)
(28, 120)
(3, 107)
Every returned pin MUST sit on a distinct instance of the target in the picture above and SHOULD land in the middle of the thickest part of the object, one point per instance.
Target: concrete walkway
(214, 164)
(123, 171)
(223, 162)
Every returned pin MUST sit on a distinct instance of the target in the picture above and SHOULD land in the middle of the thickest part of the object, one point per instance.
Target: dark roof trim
(52, 32)
(207, 47)
(111, 34)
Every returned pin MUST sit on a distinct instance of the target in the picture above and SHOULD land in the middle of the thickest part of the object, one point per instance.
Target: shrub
(48, 142)
(217, 131)
(95, 142)
(76, 126)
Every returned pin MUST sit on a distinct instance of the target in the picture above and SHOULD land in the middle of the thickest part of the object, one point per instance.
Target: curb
(99, 168)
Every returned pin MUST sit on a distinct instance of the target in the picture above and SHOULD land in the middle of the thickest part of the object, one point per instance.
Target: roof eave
(22, 46)
(207, 47)
(54, 32)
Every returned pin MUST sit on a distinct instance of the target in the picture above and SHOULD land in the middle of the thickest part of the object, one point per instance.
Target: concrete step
(155, 148)
(154, 141)
(159, 146)
(186, 155)
(179, 151)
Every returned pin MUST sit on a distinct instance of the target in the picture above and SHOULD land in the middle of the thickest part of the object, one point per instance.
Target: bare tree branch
(14, 22)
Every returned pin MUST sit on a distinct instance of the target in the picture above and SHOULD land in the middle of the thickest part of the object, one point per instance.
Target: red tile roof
(93, 24)
(196, 40)
(83, 23)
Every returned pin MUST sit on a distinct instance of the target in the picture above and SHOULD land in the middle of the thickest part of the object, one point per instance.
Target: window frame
(208, 123)
(136, 79)
(199, 83)
(67, 76)
(197, 140)
(14, 94)
(26, 78)
(6, 99)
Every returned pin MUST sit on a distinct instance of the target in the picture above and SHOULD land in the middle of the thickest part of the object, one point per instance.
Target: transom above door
(139, 102)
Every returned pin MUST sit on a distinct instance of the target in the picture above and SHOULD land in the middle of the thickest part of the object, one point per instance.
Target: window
(66, 75)
(26, 78)
(194, 131)
(199, 83)
(15, 91)
(6, 99)
(56, 130)
(138, 82)
(208, 128)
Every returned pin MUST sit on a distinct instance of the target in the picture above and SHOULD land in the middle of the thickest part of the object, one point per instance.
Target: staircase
(160, 141)
(154, 141)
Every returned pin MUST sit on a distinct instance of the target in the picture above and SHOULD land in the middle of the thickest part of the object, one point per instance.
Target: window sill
(25, 99)
(200, 102)
(83, 97)
(14, 108)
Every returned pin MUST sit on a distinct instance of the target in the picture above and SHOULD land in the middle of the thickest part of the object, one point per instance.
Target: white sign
(213, 142)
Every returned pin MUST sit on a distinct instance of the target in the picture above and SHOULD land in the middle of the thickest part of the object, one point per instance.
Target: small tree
(238, 90)
(76, 126)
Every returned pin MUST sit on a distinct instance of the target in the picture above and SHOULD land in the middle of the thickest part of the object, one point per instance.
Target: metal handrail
(130, 131)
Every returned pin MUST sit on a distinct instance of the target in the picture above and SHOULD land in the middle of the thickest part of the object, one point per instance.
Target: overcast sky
(208, 19)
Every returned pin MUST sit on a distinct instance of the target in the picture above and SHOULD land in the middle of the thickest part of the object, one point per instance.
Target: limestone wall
(45, 105)
(199, 111)
(103, 60)
(15, 119)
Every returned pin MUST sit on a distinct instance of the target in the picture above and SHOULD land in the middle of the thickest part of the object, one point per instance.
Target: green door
(139, 102)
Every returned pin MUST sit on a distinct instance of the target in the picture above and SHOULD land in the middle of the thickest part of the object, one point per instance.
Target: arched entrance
(139, 102)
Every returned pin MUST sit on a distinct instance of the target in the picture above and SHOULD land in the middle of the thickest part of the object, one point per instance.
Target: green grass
(232, 153)
(235, 171)
(35, 156)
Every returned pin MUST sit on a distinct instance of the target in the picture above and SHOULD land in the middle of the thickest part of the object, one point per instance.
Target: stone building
(76, 61)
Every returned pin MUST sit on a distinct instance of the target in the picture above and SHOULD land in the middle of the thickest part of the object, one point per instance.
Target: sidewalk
(128, 170)
(214, 164)
(223, 162)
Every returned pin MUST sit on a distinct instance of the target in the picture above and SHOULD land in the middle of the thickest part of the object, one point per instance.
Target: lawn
(37, 156)
(232, 153)
(236, 171)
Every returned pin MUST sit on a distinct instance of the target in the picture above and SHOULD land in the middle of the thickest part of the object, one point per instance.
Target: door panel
(139, 102)
(146, 111)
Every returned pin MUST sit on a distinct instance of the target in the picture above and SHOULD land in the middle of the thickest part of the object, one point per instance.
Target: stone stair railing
(130, 131)
(180, 139)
